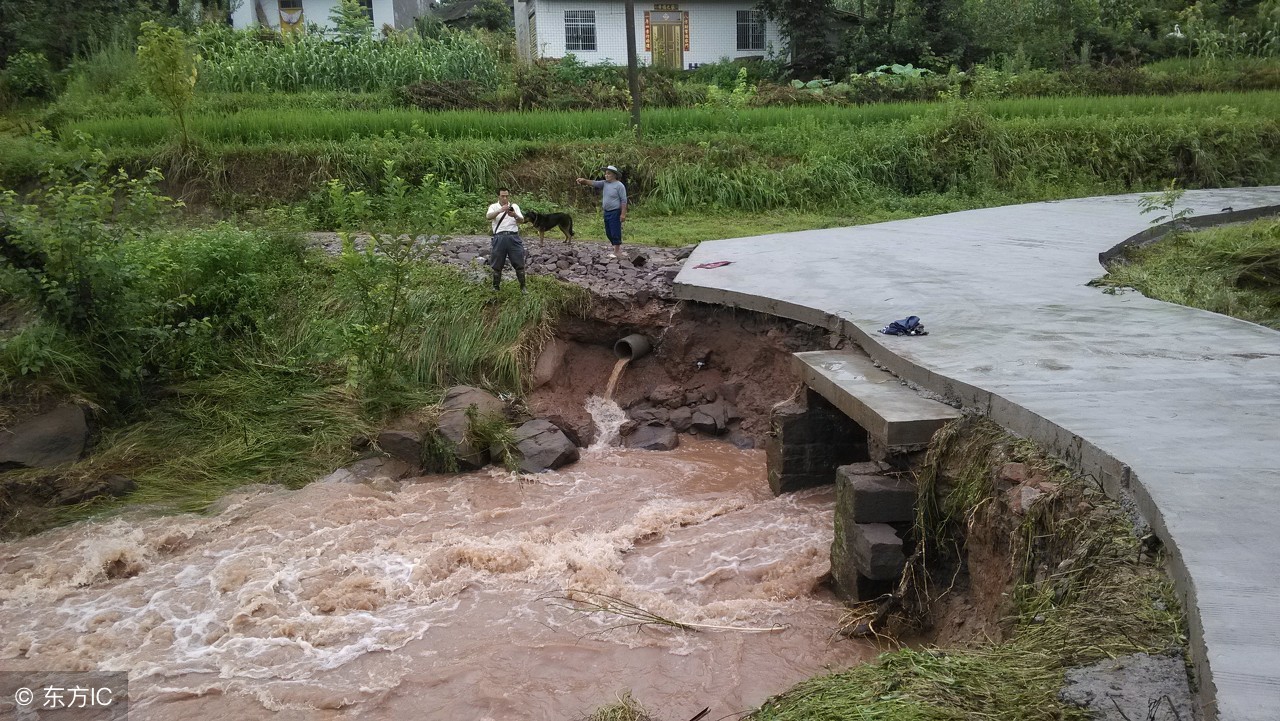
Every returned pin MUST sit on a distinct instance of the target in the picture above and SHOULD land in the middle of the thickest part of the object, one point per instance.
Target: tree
(352, 21)
(806, 24)
(168, 68)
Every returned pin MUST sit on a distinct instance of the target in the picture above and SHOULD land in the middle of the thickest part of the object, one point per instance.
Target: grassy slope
(282, 409)
(1233, 270)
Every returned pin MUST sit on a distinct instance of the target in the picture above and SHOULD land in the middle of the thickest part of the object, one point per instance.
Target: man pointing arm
(613, 201)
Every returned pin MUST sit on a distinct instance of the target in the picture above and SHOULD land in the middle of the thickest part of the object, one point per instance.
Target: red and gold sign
(686, 30)
(648, 42)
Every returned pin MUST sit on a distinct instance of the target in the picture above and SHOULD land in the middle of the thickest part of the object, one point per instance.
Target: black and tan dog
(547, 221)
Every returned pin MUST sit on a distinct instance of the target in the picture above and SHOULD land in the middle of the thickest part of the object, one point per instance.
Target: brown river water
(444, 598)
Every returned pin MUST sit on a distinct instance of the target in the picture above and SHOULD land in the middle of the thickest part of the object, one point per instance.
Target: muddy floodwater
(443, 598)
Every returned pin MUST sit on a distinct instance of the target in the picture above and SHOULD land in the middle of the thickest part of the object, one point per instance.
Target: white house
(675, 35)
(287, 14)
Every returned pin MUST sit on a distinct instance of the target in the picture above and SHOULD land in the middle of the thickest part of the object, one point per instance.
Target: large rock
(667, 395)
(51, 439)
(714, 417)
(460, 398)
(403, 445)
(543, 447)
(681, 419)
(375, 471)
(580, 434)
(549, 362)
(653, 437)
(648, 414)
(454, 426)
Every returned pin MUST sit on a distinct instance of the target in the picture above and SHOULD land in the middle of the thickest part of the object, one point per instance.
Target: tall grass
(669, 123)
(804, 165)
(465, 337)
(1233, 270)
(244, 62)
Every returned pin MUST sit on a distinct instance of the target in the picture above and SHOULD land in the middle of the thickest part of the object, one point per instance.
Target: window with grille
(580, 30)
(750, 30)
(367, 5)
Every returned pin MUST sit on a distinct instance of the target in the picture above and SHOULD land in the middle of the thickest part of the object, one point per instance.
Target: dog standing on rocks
(544, 222)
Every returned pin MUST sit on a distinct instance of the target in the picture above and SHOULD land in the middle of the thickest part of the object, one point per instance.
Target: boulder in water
(405, 445)
(653, 437)
(372, 471)
(681, 419)
(580, 434)
(49, 439)
(454, 426)
(543, 447)
(714, 417)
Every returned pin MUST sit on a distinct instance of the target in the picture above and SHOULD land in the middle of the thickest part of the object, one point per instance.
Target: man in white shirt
(504, 219)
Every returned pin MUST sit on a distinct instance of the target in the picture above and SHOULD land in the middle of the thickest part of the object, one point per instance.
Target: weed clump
(626, 709)
(1233, 270)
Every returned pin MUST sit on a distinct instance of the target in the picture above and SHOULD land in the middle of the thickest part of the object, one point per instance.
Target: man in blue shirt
(613, 199)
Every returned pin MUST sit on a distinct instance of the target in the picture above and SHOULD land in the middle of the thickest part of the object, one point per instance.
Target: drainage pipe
(632, 347)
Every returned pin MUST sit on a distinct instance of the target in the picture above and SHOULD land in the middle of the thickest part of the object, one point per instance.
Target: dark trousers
(506, 247)
(613, 226)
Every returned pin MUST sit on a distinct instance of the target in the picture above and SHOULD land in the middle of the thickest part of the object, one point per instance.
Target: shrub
(402, 225)
(28, 75)
(168, 67)
(447, 95)
(150, 305)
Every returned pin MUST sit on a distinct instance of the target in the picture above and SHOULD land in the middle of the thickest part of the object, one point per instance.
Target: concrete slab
(1177, 406)
(890, 412)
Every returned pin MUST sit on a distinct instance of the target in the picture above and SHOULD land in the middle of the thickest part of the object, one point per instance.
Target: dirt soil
(705, 352)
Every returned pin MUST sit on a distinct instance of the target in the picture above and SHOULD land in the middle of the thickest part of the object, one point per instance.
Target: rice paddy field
(285, 125)
(872, 162)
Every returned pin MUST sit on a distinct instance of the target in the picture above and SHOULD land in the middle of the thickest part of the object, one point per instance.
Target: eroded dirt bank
(703, 356)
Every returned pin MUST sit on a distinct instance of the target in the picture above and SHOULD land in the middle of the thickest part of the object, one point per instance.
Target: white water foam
(608, 418)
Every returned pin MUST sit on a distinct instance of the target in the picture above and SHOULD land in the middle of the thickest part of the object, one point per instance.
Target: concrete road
(1177, 407)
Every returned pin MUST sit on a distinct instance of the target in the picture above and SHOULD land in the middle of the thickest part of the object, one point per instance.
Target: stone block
(848, 581)
(806, 445)
(876, 549)
(867, 498)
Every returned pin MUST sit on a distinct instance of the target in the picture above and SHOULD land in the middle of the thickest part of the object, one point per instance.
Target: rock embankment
(638, 274)
(450, 436)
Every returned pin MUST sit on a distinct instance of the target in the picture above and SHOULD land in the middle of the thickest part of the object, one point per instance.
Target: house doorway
(666, 38)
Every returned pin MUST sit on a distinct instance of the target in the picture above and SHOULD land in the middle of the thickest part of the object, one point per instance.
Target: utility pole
(633, 71)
